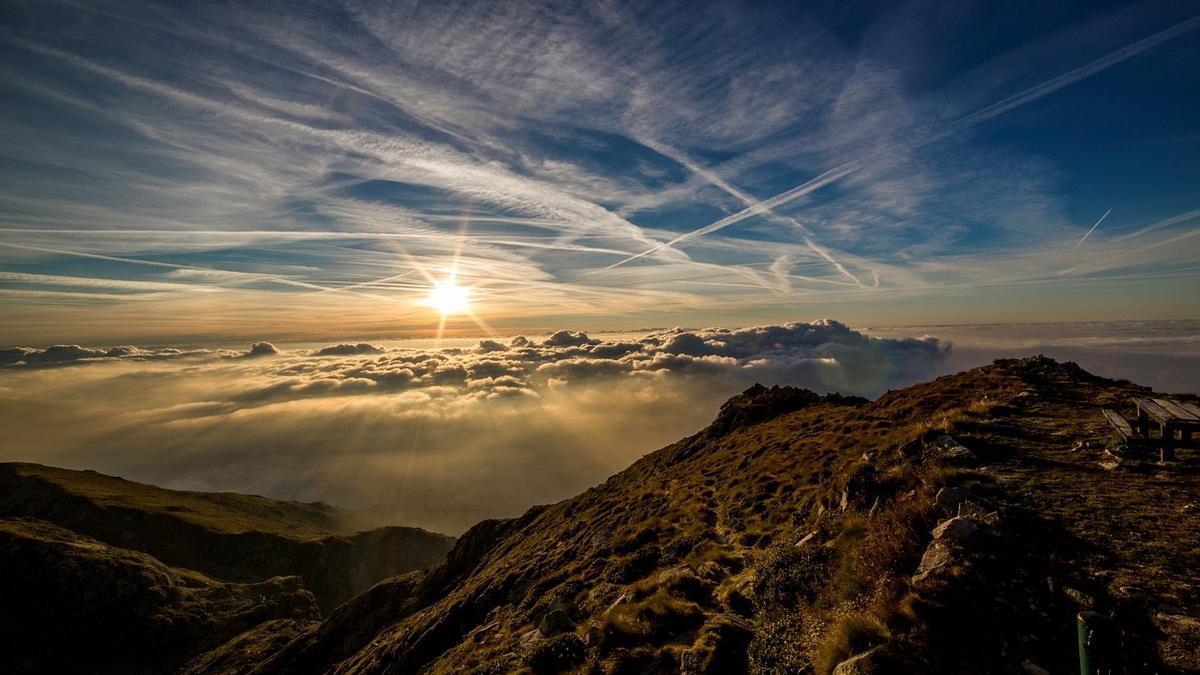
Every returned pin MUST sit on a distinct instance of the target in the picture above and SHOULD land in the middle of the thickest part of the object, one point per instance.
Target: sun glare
(448, 298)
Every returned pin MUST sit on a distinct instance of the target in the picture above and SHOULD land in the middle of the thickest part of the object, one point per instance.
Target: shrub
(896, 539)
(557, 654)
(657, 619)
(788, 575)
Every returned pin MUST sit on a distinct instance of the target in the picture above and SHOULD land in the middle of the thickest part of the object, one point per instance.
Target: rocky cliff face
(238, 538)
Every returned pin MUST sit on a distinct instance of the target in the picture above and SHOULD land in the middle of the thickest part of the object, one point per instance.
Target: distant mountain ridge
(228, 536)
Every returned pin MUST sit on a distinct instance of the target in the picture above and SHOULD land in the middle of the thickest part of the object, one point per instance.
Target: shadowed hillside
(232, 537)
(74, 604)
(954, 526)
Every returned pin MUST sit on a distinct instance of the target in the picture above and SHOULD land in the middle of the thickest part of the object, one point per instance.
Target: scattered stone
(952, 452)
(480, 634)
(937, 556)
(1176, 618)
(621, 599)
(948, 498)
(859, 664)
(845, 502)
(1079, 597)
(554, 622)
(958, 530)
(807, 538)
(1131, 591)
(530, 637)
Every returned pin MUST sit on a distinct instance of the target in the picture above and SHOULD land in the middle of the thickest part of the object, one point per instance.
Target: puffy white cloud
(438, 438)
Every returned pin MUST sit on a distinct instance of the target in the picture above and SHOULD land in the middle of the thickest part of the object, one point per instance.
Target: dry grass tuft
(853, 634)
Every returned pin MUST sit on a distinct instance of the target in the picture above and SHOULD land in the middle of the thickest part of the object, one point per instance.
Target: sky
(202, 172)
(437, 262)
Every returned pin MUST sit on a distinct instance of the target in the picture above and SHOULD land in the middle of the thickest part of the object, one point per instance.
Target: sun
(449, 298)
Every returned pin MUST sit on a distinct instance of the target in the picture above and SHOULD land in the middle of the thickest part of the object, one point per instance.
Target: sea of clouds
(439, 438)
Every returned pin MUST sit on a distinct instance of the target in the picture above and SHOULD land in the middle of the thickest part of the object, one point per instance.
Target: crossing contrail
(982, 114)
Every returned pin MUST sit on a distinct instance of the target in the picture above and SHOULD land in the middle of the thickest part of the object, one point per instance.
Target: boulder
(937, 557)
(556, 621)
(957, 530)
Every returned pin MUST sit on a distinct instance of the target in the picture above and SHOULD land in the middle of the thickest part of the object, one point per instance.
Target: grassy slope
(226, 512)
(699, 556)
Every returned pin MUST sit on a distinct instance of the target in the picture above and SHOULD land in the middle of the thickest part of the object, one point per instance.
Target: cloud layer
(437, 437)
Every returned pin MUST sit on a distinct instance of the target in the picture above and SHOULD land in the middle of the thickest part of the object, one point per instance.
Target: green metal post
(1091, 628)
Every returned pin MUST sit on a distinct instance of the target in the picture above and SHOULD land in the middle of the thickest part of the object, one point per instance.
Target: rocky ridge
(800, 533)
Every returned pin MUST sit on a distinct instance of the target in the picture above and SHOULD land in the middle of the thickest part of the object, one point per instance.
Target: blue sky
(222, 170)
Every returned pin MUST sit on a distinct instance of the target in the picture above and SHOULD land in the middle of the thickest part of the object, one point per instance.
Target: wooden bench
(1119, 424)
(1171, 417)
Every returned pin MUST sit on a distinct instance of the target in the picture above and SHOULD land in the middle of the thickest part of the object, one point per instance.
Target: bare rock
(950, 451)
(860, 664)
(529, 638)
(948, 499)
(957, 530)
(554, 622)
(1079, 597)
(937, 558)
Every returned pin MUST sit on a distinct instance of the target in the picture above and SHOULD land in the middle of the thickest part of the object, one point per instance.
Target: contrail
(154, 263)
(1089, 232)
(983, 114)
(750, 202)
(1168, 222)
